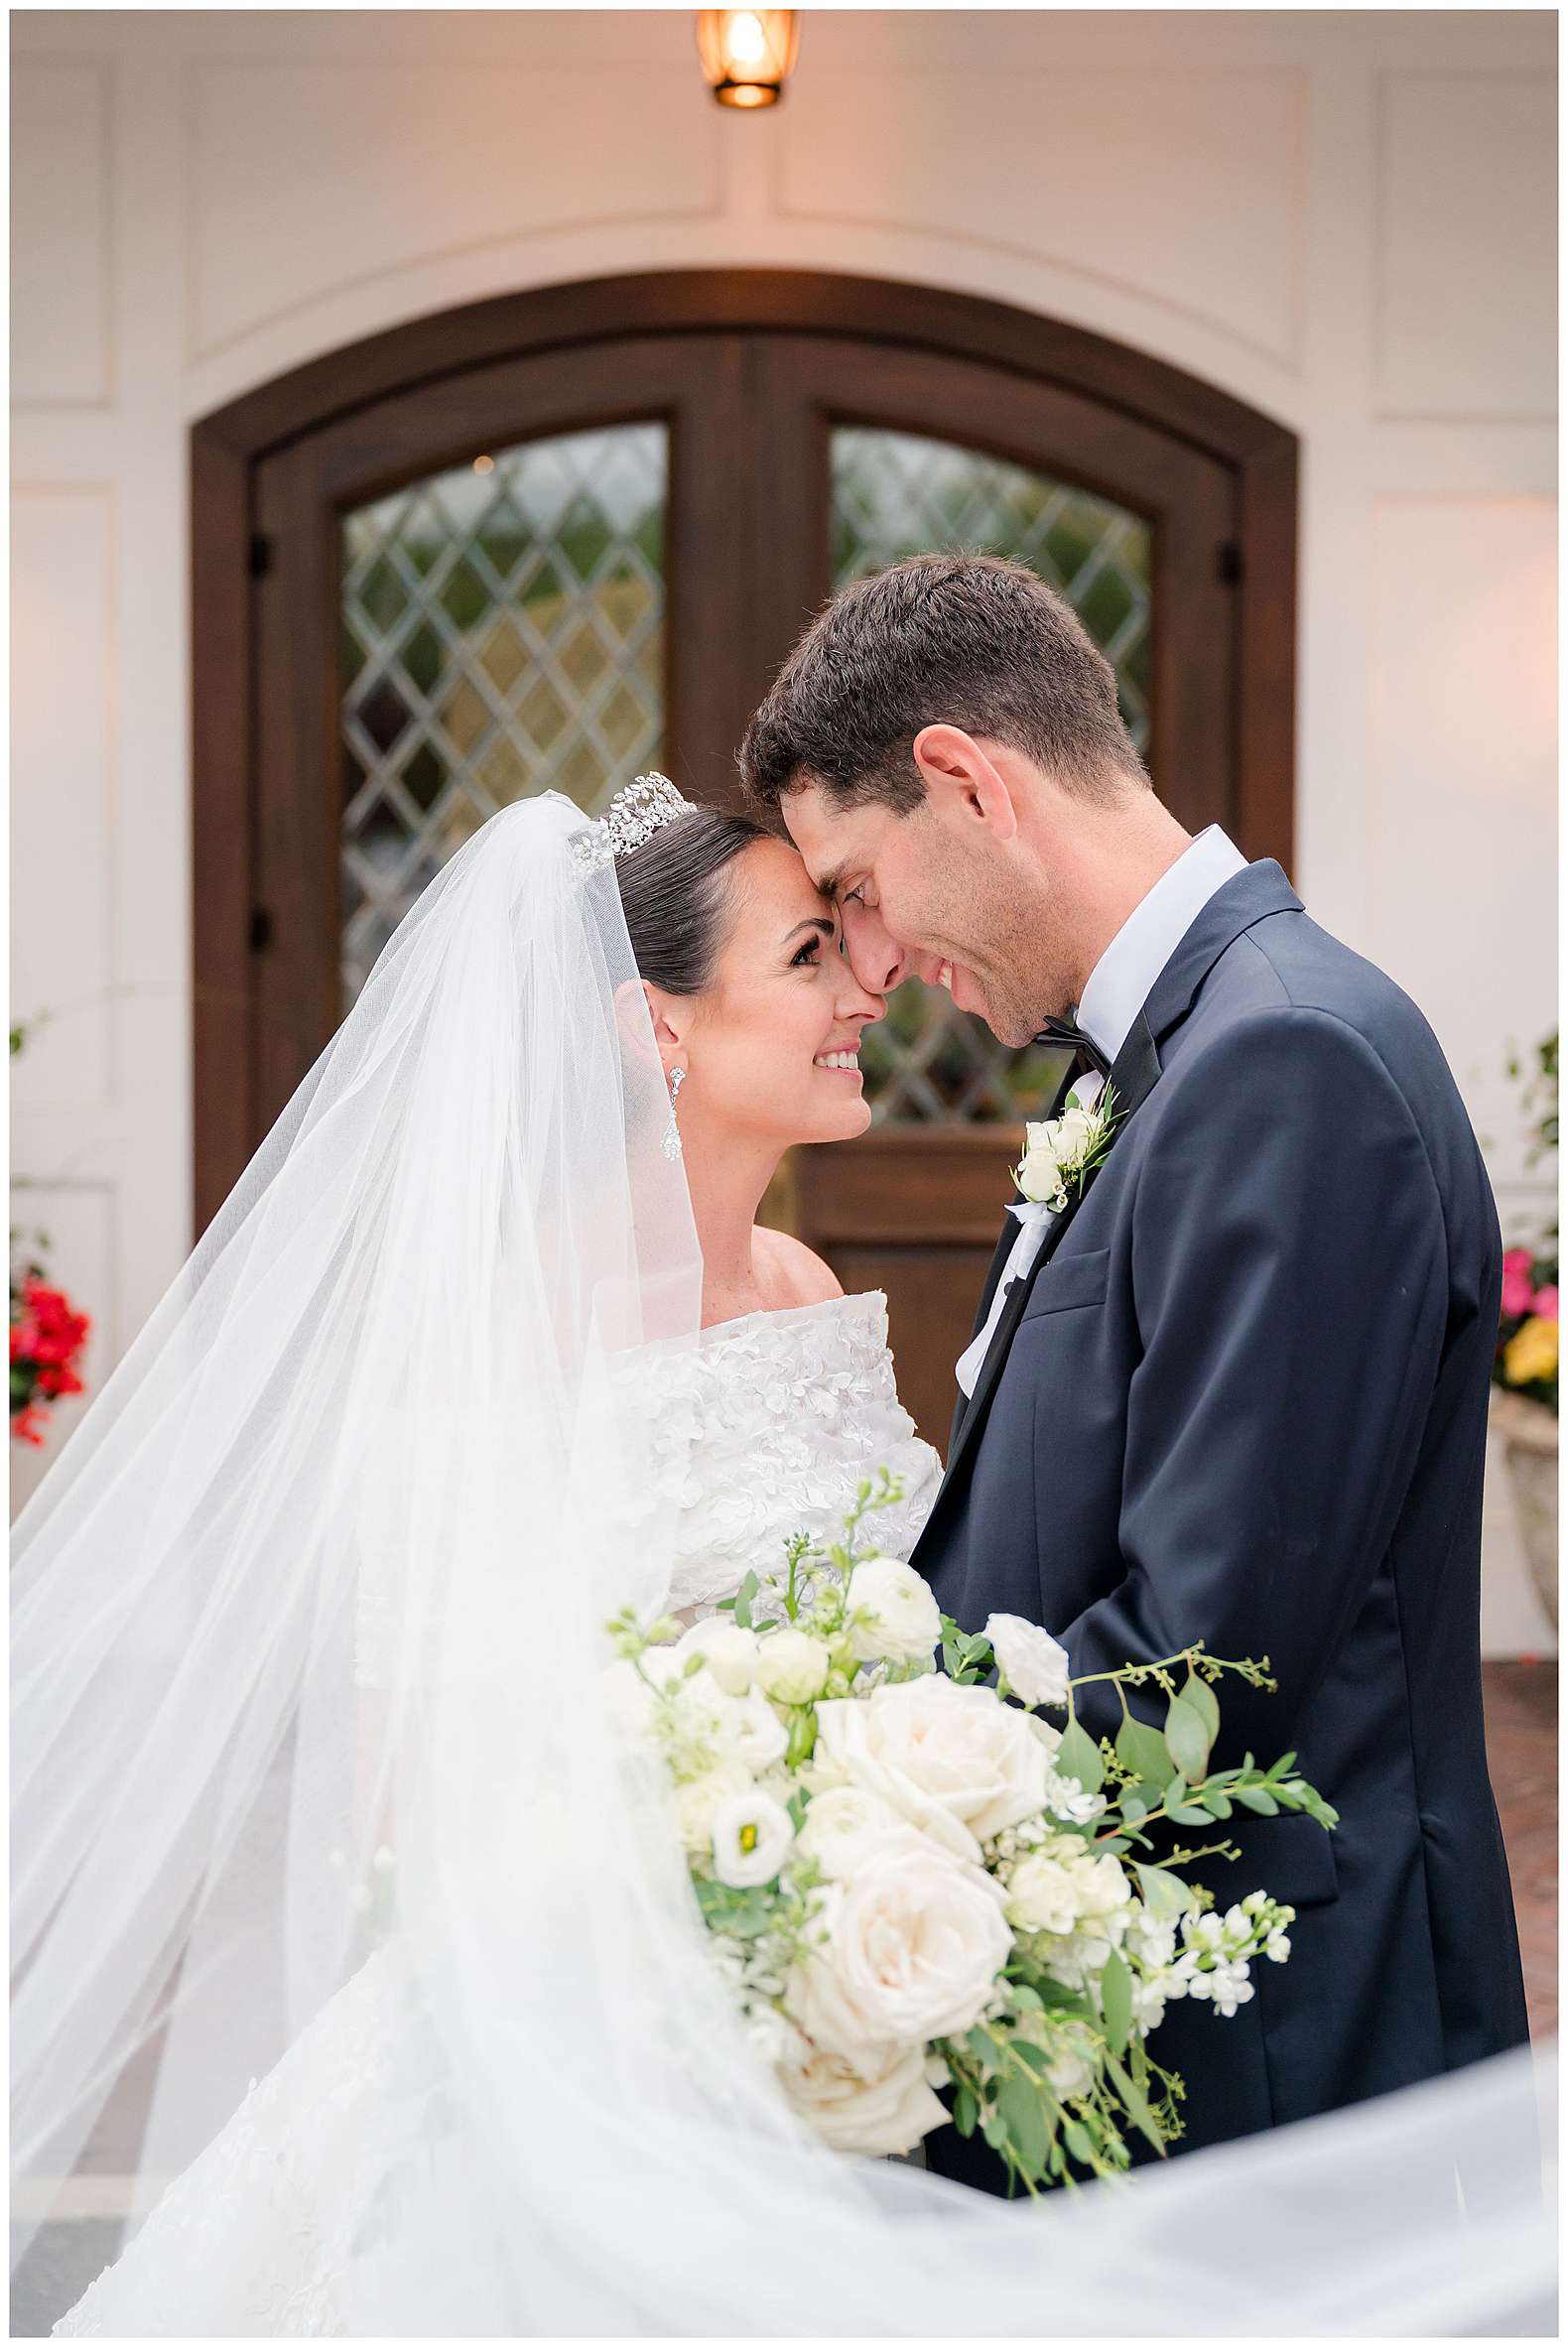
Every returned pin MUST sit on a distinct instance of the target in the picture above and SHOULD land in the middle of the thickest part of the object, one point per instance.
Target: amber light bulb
(747, 52)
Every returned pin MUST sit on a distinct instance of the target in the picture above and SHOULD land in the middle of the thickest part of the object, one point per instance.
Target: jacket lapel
(1253, 894)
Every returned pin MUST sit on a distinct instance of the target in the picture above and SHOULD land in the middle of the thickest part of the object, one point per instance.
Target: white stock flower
(752, 1836)
(955, 1760)
(902, 1620)
(791, 1666)
(886, 2106)
(699, 1803)
(1225, 1988)
(844, 1827)
(1277, 1947)
(727, 1650)
(1034, 1666)
(907, 1949)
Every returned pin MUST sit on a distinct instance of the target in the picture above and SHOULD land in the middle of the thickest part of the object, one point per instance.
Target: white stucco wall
(1348, 219)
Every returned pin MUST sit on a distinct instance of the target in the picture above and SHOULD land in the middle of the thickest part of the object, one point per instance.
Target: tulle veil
(311, 1751)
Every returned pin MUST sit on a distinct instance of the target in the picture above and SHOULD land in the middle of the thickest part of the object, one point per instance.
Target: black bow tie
(1062, 1035)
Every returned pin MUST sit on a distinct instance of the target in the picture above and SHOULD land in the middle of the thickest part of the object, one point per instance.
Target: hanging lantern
(747, 52)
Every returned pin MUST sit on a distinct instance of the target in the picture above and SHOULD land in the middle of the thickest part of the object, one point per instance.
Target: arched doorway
(546, 540)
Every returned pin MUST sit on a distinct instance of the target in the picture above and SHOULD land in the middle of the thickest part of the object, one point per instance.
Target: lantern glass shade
(747, 52)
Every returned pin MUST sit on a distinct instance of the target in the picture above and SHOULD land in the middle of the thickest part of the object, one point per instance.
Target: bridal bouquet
(913, 1881)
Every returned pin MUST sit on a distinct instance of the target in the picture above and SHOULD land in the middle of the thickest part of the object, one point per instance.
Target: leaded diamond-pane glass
(502, 634)
(897, 493)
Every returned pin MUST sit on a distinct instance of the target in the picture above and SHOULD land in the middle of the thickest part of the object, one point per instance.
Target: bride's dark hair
(676, 892)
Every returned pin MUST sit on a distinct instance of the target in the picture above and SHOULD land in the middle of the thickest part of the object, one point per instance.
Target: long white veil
(319, 1806)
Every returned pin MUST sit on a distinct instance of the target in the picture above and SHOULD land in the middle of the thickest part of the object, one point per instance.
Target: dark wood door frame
(229, 447)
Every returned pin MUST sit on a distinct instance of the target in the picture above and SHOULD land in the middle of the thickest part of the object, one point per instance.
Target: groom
(1236, 1390)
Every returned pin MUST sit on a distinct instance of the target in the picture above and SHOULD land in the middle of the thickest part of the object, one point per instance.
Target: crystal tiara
(634, 814)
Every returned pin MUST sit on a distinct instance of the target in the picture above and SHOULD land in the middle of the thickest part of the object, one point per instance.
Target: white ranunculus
(727, 1650)
(1034, 1666)
(704, 1726)
(907, 1949)
(699, 1803)
(883, 2108)
(845, 1827)
(1063, 1888)
(752, 1836)
(758, 1736)
(791, 1666)
(899, 1619)
(955, 1760)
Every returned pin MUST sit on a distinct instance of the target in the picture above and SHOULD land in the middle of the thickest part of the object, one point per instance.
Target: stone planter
(1530, 1437)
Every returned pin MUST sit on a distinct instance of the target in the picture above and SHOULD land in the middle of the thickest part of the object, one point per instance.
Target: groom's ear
(963, 784)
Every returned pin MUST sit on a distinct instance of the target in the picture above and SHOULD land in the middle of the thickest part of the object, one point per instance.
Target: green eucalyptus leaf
(1253, 1797)
(1033, 2058)
(1165, 1894)
(1136, 2104)
(744, 1597)
(1204, 1701)
(1187, 1813)
(1143, 1749)
(1116, 2002)
(966, 2109)
(1078, 1755)
(1217, 1804)
(1077, 2141)
(1187, 1738)
(1024, 2116)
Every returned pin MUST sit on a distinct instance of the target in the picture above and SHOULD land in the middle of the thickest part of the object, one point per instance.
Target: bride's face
(771, 1048)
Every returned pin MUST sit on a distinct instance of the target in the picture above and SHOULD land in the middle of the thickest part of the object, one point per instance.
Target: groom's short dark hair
(961, 639)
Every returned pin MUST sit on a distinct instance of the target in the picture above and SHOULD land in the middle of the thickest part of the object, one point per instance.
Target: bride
(321, 1820)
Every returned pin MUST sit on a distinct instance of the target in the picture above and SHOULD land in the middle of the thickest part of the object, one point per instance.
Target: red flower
(30, 1425)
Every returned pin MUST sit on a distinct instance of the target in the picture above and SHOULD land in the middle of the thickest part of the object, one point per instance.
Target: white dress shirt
(1119, 985)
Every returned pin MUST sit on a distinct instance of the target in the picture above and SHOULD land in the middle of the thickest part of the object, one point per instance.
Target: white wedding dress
(320, 1798)
(766, 1426)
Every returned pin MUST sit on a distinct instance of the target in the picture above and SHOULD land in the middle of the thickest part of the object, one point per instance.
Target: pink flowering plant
(914, 1885)
(1526, 1357)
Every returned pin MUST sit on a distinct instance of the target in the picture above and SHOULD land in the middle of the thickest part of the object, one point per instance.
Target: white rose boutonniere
(1060, 1154)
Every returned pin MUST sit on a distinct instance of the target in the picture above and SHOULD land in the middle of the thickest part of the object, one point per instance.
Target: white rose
(728, 1651)
(750, 1839)
(956, 1761)
(900, 1620)
(885, 2108)
(758, 1734)
(908, 1950)
(790, 1666)
(843, 1828)
(697, 1804)
(1040, 1171)
(1034, 1666)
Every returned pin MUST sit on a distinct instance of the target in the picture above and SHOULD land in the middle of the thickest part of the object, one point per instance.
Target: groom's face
(916, 901)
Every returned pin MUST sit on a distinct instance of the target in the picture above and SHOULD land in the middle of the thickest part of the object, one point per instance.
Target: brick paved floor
(1522, 1749)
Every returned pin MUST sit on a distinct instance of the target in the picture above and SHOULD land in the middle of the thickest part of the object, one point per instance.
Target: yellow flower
(1531, 1354)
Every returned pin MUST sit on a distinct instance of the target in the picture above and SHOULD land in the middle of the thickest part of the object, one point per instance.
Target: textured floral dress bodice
(767, 1426)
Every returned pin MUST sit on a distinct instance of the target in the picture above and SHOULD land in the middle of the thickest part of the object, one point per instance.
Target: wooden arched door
(547, 541)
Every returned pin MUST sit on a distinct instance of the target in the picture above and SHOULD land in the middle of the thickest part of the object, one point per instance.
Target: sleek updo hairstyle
(677, 891)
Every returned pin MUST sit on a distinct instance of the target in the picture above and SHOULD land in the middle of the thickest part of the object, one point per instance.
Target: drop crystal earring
(672, 1132)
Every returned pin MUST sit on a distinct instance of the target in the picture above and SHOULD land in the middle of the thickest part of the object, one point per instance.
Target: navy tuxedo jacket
(1242, 1398)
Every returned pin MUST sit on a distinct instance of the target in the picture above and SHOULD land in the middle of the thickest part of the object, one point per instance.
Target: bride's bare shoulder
(794, 1274)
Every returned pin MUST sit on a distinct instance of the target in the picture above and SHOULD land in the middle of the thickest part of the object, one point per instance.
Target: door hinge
(1229, 563)
(260, 929)
(260, 555)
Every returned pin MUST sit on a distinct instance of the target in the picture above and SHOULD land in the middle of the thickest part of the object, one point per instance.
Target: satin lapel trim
(1133, 1079)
